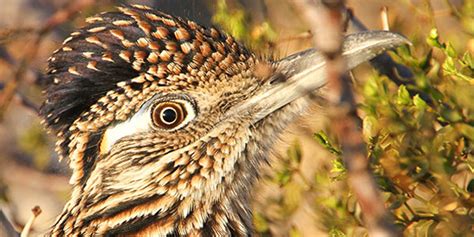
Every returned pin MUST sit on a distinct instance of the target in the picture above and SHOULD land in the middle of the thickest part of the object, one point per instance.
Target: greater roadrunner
(166, 124)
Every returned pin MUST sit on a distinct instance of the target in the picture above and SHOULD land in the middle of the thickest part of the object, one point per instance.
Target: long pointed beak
(304, 72)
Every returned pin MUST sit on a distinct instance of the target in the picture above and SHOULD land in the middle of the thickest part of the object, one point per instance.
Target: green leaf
(419, 102)
(294, 232)
(403, 97)
(292, 197)
(450, 51)
(34, 142)
(283, 177)
(231, 20)
(260, 222)
(433, 39)
(466, 130)
(425, 62)
(369, 127)
(424, 228)
(470, 186)
(338, 169)
(294, 152)
(371, 87)
(449, 67)
(451, 115)
(468, 61)
(337, 166)
(334, 232)
(323, 139)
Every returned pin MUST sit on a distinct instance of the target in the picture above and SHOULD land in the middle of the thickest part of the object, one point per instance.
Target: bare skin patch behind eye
(141, 122)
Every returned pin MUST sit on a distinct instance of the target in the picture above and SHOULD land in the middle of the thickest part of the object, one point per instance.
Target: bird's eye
(168, 115)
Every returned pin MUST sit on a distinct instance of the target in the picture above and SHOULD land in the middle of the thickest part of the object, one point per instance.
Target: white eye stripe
(142, 122)
(136, 124)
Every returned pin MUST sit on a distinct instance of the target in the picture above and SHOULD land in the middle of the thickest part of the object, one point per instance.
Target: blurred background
(304, 192)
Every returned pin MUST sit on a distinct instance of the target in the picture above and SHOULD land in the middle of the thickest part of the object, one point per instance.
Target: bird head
(165, 123)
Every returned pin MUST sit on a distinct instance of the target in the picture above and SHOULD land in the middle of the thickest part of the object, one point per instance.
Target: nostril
(277, 78)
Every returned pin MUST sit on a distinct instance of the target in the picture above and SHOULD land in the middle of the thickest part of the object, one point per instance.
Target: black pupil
(168, 115)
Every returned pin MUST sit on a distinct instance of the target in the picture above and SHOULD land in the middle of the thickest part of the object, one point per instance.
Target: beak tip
(365, 45)
(393, 38)
(400, 39)
(357, 48)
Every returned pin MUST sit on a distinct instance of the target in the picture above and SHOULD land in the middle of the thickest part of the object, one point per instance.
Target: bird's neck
(203, 190)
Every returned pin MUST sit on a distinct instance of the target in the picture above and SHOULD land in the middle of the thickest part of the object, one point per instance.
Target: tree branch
(22, 66)
(326, 21)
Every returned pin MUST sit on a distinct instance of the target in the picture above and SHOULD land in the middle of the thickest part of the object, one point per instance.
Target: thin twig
(36, 211)
(8, 35)
(6, 56)
(384, 18)
(65, 14)
(9, 90)
(326, 20)
(26, 103)
(23, 101)
(22, 66)
(302, 36)
(453, 9)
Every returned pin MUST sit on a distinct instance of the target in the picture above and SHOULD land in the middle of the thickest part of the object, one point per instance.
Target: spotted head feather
(99, 72)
